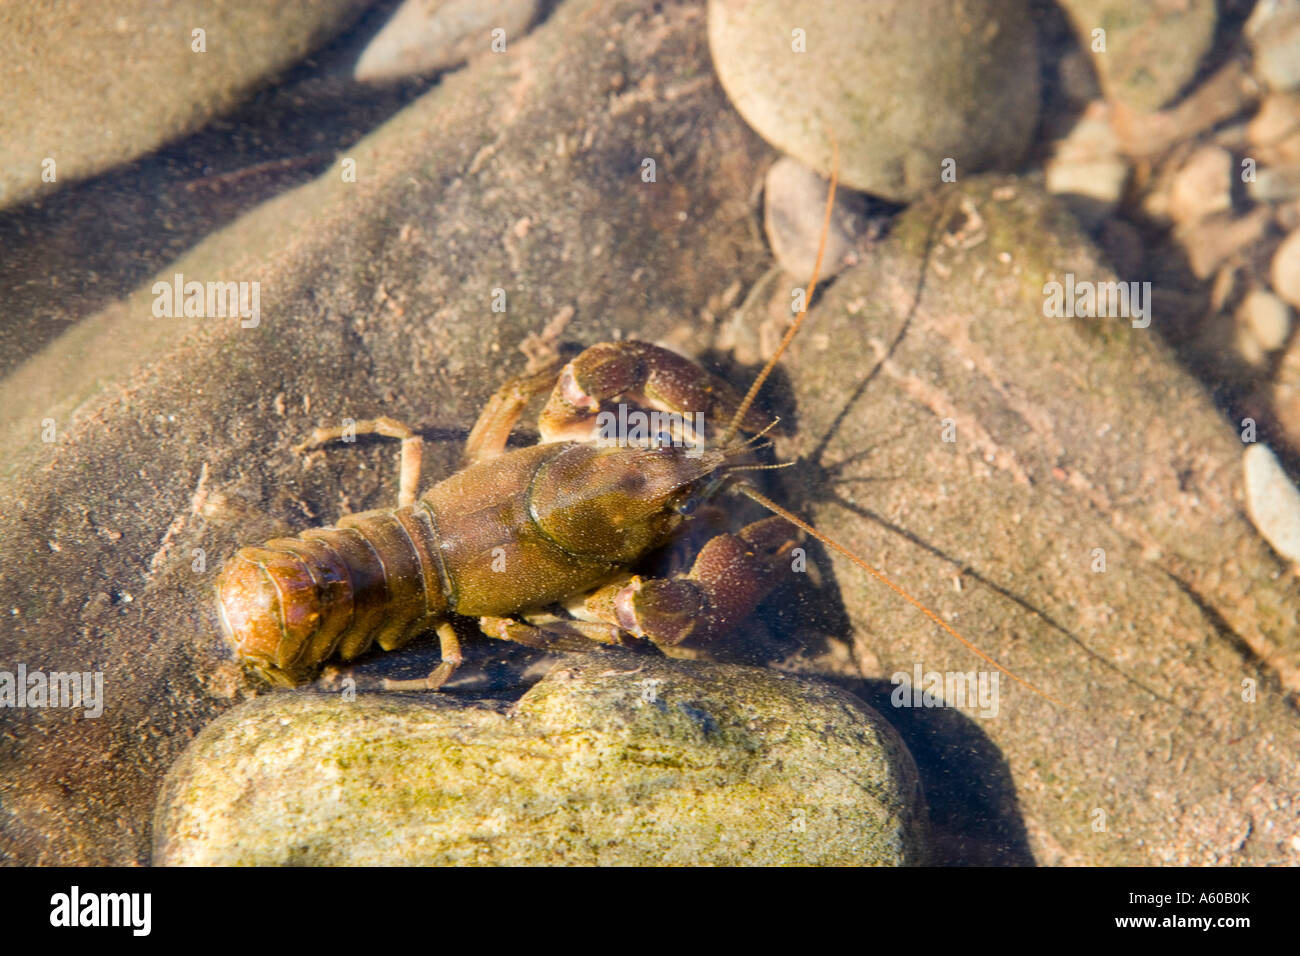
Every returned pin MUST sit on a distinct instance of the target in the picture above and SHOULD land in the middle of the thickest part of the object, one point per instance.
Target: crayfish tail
(289, 606)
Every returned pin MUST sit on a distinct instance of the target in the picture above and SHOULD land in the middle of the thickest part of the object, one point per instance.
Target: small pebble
(1210, 242)
(1276, 184)
(1202, 186)
(1224, 287)
(1273, 501)
(1278, 118)
(1267, 318)
(1284, 275)
(1274, 31)
(794, 207)
(1248, 347)
(1283, 153)
(1287, 216)
(424, 36)
(1264, 15)
(1086, 168)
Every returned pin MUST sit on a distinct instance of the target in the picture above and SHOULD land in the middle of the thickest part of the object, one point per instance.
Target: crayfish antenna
(789, 516)
(790, 333)
(798, 522)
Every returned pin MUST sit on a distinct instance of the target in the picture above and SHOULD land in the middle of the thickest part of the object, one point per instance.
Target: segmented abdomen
(289, 606)
(519, 531)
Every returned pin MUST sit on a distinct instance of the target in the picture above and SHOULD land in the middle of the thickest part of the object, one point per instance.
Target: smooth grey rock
(424, 36)
(1152, 50)
(1273, 500)
(89, 86)
(794, 208)
(901, 84)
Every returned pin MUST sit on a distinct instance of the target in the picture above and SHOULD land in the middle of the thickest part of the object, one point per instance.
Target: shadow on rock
(975, 817)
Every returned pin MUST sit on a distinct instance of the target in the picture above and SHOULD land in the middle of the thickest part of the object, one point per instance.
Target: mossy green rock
(611, 759)
(901, 84)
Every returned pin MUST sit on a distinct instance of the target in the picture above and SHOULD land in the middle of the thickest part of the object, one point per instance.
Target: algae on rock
(613, 758)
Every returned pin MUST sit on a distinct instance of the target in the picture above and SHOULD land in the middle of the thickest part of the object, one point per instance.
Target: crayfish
(537, 543)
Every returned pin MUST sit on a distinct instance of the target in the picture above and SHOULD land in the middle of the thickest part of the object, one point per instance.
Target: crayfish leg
(412, 449)
(451, 659)
(558, 635)
(487, 439)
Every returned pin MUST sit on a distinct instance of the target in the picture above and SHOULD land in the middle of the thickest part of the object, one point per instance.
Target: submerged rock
(1267, 319)
(611, 759)
(1086, 168)
(1145, 53)
(1274, 32)
(1285, 269)
(794, 208)
(428, 35)
(1086, 526)
(124, 80)
(1274, 502)
(903, 85)
(1068, 498)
